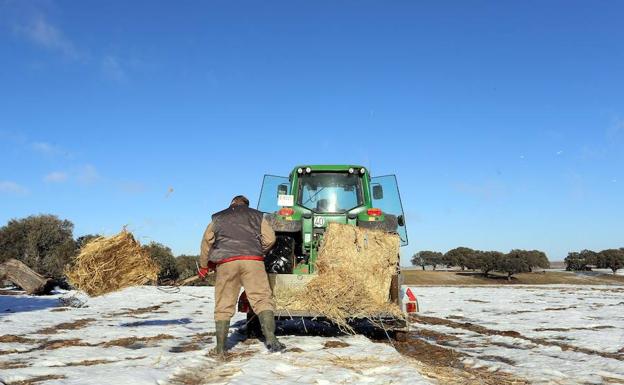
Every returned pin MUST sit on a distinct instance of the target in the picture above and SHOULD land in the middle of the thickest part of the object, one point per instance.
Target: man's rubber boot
(222, 329)
(267, 321)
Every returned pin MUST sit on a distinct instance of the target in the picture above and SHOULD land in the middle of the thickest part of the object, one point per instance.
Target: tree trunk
(21, 275)
(423, 267)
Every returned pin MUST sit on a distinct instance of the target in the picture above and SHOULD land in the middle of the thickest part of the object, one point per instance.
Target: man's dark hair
(239, 200)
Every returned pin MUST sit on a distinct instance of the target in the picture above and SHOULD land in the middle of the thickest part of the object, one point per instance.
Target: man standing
(235, 242)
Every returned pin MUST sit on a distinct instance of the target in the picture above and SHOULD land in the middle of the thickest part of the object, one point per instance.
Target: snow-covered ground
(166, 341)
(147, 336)
(565, 334)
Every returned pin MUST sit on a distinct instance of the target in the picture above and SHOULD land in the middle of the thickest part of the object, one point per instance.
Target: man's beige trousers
(248, 274)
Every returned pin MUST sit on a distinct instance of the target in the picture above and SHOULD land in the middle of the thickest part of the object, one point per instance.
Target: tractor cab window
(272, 187)
(386, 197)
(330, 192)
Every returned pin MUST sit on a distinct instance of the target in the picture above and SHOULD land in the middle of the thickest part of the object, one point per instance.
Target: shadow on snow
(10, 304)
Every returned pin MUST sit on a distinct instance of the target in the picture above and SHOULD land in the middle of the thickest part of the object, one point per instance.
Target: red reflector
(286, 211)
(410, 307)
(410, 295)
(374, 212)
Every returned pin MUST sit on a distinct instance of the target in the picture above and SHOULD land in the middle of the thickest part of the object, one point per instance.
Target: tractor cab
(300, 206)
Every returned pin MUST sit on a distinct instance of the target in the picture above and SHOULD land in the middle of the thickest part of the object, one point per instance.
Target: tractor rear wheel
(281, 257)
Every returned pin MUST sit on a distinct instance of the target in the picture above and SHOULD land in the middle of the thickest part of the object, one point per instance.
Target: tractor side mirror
(282, 189)
(377, 192)
(401, 220)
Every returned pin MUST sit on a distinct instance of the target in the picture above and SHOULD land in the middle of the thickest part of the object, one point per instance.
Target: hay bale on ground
(108, 264)
(355, 269)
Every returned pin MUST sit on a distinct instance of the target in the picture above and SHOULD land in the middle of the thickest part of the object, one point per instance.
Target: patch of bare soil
(463, 325)
(560, 308)
(86, 363)
(457, 317)
(445, 366)
(358, 364)
(13, 364)
(186, 347)
(504, 360)
(5, 352)
(58, 344)
(78, 324)
(611, 380)
(10, 338)
(197, 342)
(294, 350)
(434, 336)
(238, 355)
(37, 379)
(139, 311)
(521, 311)
(129, 342)
(335, 344)
(96, 362)
(203, 337)
(50, 345)
(59, 309)
(430, 354)
(508, 333)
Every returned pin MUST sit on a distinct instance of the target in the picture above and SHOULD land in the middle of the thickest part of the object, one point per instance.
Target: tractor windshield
(330, 192)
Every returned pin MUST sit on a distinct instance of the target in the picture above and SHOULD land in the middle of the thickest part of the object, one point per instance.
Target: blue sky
(504, 121)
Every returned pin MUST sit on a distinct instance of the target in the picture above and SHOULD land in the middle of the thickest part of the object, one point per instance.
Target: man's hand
(203, 272)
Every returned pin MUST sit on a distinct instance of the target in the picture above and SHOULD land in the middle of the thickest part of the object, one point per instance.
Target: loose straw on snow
(108, 264)
(355, 269)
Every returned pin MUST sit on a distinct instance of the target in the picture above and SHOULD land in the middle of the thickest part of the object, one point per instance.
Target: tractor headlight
(362, 170)
(308, 170)
(299, 170)
(351, 170)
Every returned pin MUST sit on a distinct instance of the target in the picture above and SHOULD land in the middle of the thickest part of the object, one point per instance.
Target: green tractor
(299, 208)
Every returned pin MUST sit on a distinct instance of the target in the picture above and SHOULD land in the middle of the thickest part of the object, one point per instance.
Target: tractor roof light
(351, 170)
(308, 170)
(299, 170)
(373, 212)
(362, 170)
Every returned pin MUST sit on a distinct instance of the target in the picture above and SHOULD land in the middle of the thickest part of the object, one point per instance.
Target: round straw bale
(107, 264)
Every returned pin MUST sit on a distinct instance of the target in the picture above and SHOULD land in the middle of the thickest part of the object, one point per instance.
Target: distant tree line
(585, 260)
(46, 244)
(513, 262)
